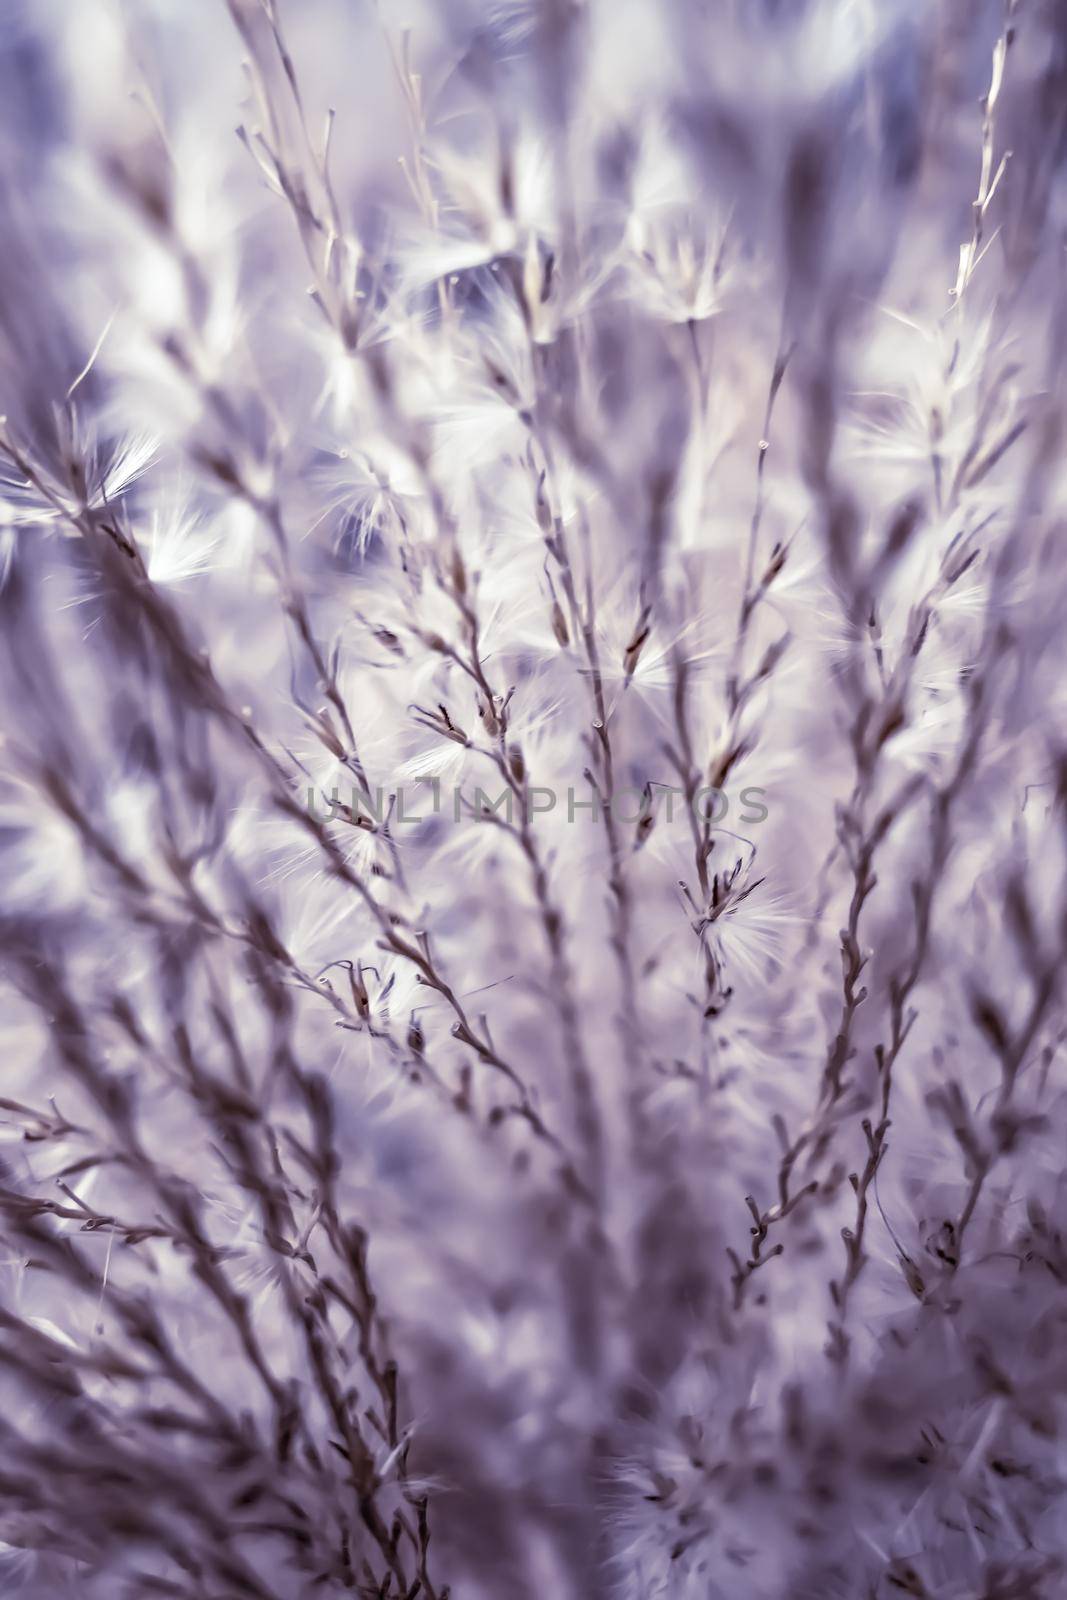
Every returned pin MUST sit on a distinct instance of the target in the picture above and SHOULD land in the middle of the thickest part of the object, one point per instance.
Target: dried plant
(532, 813)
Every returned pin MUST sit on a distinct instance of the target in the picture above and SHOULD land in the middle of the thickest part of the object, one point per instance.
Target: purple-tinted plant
(581, 410)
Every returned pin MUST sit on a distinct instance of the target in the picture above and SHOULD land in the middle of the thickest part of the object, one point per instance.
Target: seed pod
(633, 650)
(646, 818)
(544, 510)
(489, 718)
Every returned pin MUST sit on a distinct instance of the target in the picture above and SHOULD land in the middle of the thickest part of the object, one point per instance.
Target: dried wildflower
(534, 756)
